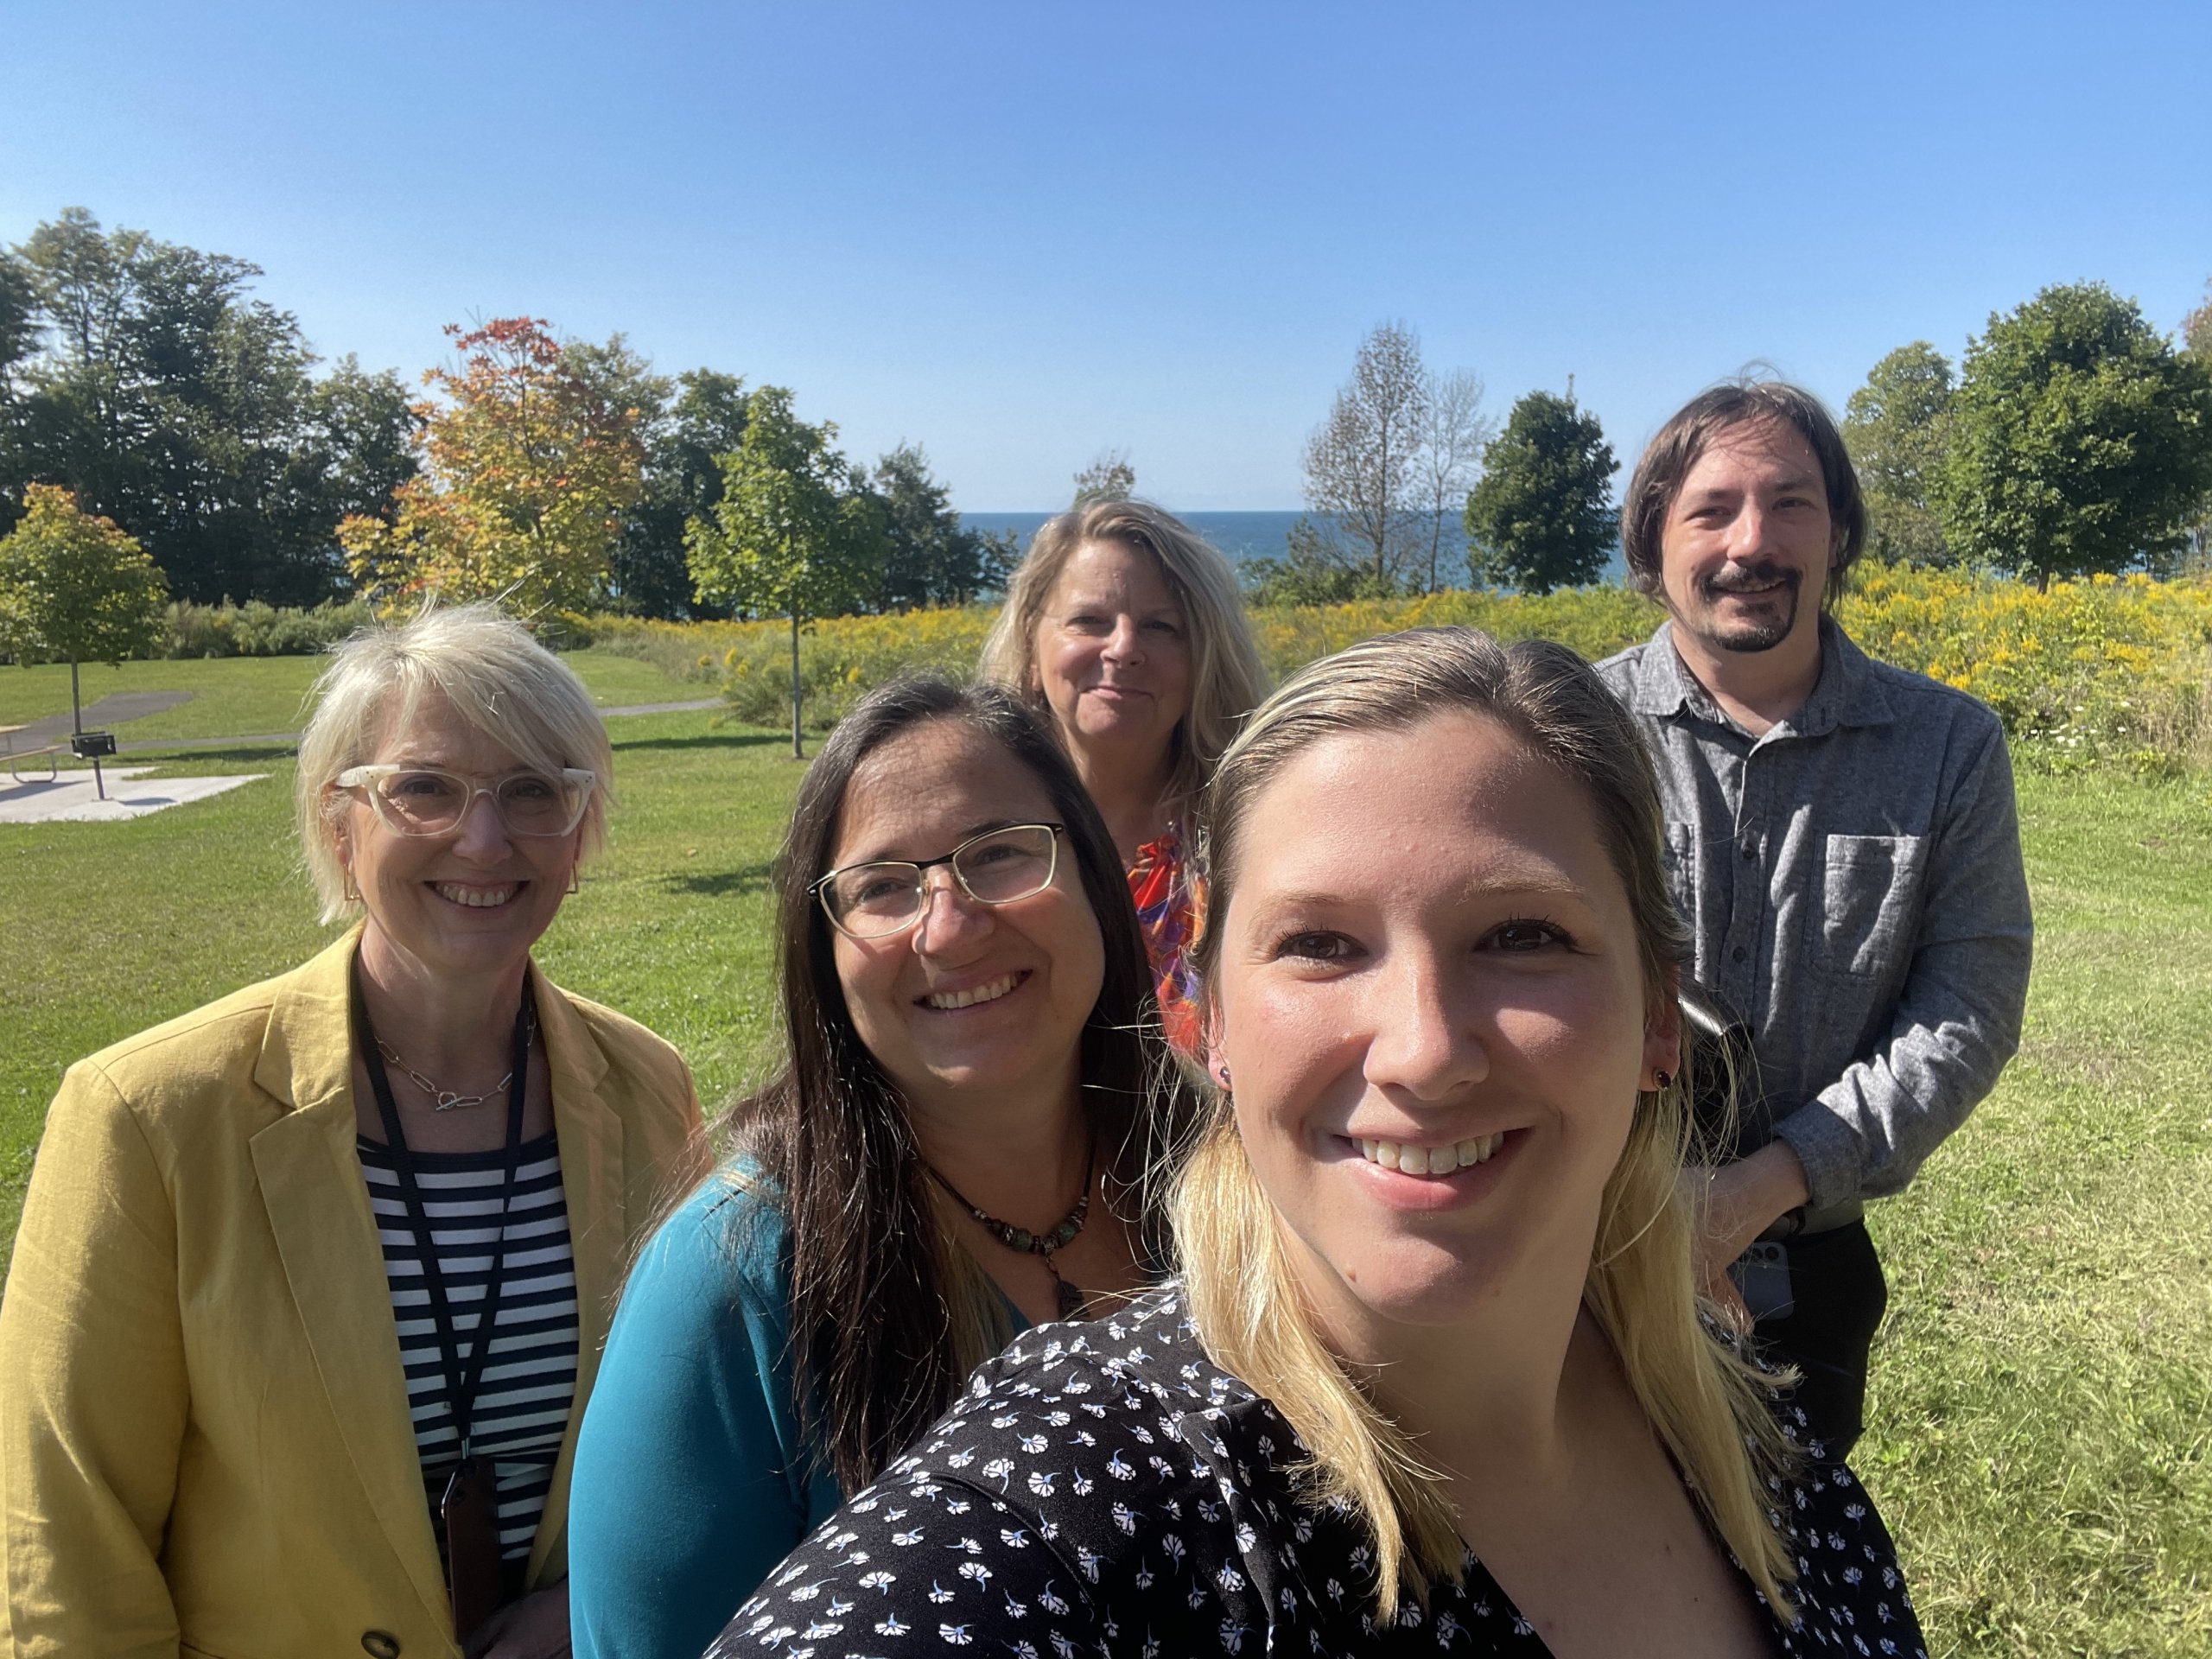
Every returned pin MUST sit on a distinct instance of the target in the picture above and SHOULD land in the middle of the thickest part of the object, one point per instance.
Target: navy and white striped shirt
(530, 1376)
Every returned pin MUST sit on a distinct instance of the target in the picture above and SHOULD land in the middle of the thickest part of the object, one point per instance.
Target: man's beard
(1754, 633)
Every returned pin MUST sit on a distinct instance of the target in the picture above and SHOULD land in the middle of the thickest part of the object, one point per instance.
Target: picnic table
(16, 757)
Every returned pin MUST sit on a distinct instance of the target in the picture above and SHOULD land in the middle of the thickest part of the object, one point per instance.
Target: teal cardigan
(692, 1476)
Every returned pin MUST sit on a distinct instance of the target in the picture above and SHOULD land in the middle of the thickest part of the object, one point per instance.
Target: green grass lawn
(2043, 1392)
(256, 697)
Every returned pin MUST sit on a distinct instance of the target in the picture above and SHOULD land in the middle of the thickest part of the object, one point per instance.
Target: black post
(799, 748)
(91, 746)
(77, 722)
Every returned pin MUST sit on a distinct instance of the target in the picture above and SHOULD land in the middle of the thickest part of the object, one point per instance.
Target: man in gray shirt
(1843, 843)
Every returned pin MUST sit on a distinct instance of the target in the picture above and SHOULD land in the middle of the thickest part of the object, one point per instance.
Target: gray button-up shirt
(1852, 880)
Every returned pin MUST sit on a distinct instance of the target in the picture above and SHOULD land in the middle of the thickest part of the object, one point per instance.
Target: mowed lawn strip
(258, 696)
(2042, 1393)
(2042, 1390)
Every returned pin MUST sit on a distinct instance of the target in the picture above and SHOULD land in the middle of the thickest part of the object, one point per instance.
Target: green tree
(74, 587)
(1543, 517)
(790, 536)
(163, 395)
(2080, 440)
(358, 446)
(647, 572)
(18, 336)
(2196, 327)
(18, 321)
(18, 305)
(1312, 571)
(930, 557)
(530, 463)
(1897, 426)
(2196, 340)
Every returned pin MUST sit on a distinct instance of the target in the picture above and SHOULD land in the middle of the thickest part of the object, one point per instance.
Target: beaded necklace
(1071, 1299)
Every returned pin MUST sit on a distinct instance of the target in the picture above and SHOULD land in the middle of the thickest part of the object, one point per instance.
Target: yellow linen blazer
(205, 1442)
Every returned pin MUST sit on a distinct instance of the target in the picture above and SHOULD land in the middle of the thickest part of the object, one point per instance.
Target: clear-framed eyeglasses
(873, 901)
(424, 801)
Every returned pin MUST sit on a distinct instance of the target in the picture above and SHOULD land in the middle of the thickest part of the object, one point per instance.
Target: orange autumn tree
(528, 464)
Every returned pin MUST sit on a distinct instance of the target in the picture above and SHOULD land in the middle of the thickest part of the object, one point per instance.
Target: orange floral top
(1170, 898)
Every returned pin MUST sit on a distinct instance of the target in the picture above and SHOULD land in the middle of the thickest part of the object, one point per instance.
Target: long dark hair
(889, 1313)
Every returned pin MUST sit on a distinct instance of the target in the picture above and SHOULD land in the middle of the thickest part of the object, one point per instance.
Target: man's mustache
(1744, 578)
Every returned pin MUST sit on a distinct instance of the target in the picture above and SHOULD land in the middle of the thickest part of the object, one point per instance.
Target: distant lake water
(1248, 535)
(1243, 536)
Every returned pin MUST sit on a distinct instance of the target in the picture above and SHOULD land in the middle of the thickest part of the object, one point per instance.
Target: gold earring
(575, 879)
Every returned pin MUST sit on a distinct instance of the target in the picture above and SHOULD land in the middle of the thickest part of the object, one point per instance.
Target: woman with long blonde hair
(1125, 628)
(1436, 1376)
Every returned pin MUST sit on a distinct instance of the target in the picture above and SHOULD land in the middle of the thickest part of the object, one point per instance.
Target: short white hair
(485, 665)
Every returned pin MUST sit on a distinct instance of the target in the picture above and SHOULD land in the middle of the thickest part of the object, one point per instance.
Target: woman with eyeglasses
(1124, 627)
(947, 1154)
(310, 1282)
(1435, 1379)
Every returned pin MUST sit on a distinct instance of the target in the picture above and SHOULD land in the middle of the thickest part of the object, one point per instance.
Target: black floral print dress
(1104, 1489)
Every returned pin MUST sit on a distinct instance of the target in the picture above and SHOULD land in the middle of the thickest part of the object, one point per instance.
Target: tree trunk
(76, 703)
(799, 748)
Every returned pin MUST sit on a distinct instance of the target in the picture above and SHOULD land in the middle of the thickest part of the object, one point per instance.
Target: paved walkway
(689, 708)
(291, 739)
(165, 745)
(71, 797)
(107, 712)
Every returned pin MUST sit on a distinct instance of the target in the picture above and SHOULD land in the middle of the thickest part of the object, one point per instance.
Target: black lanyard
(463, 1379)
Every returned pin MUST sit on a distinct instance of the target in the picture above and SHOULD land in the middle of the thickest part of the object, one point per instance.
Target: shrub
(255, 629)
(841, 659)
(2102, 672)
(2108, 669)
(1596, 621)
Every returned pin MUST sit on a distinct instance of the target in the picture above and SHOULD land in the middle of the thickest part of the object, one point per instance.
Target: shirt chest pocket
(1870, 901)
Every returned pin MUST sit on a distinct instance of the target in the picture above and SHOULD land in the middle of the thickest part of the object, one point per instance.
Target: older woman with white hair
(311, 1283)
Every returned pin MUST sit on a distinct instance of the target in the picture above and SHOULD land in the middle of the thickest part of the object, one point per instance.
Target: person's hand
(1719, 1292)
(537, 1627)
(1733, 1205)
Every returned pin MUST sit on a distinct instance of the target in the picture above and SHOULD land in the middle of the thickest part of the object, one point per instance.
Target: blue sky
(1019, 234)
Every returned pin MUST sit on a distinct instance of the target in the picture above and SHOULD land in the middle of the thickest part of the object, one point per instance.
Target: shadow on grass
(261, 755)
(704, 741)
(722, 883)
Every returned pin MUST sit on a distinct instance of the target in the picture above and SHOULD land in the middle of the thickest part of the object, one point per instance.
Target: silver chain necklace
(445, 1100)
